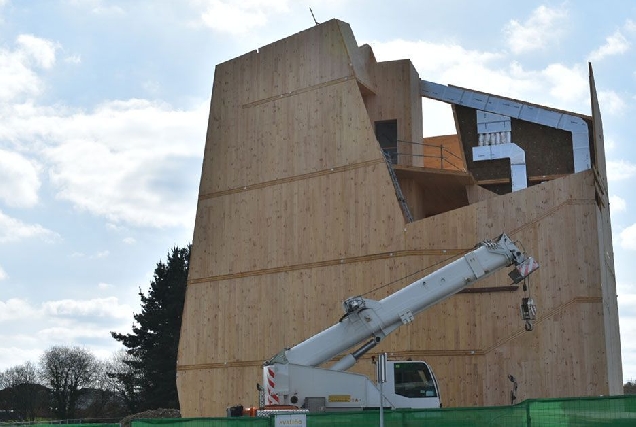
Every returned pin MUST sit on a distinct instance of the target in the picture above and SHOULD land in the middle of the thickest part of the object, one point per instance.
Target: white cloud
(104, 286)
(151, 86)
(556, 85)
(627, 320)
(447, 55)
(97, 7)
(97, 255)
(617, 204)
(120, 165)
(125, 160)
(437, 118)
(99, 307)
(3, 274)
(234, 17)
(75, 320)
(20, 180)
(13, 230)
(73, 59)
(452, 64)
(615, 44)
(628, 237)
(16, 73)
(38, 50)
(568, 84)
(11, 354)
(113, 9)
(100, 255)
(129, 240)
(64, 335)
(115, 227)
(611, 102)
(542, 27)
(27, 329)
(627, 294)
(14, 309)
(619, 170)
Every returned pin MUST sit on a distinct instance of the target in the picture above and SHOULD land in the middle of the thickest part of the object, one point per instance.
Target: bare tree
(110, 398)
(24, 392)
(67, 370)
(124, 379)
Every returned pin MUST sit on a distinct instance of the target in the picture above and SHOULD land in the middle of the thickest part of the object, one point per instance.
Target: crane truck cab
(409, 384)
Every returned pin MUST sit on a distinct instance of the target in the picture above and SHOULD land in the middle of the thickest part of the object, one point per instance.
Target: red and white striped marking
(527, 267)
(272, 398)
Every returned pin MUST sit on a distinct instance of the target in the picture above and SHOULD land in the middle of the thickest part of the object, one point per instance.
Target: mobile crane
(293, 378)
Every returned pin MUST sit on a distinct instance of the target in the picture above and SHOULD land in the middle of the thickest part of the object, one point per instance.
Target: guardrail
(447, 159)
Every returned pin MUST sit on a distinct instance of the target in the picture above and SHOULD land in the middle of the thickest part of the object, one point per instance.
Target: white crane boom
(366, 319)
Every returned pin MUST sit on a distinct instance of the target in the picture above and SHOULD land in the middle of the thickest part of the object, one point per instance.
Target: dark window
(386, 134)
(414, 379)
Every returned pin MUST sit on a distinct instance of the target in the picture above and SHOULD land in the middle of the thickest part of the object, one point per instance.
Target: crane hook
(528, 312)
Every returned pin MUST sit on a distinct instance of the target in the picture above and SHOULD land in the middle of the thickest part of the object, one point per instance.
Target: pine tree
(154, 342)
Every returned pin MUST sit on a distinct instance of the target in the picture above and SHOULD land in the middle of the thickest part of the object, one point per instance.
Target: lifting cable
(447, 260)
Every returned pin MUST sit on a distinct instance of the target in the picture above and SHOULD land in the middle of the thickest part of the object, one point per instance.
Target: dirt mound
(153, 413)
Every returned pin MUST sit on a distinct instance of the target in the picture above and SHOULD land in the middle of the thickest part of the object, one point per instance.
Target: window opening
(386, 134)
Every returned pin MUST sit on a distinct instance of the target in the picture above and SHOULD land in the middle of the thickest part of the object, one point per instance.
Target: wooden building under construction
(317, 185)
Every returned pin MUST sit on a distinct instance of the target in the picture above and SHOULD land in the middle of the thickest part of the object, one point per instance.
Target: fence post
(381, 380)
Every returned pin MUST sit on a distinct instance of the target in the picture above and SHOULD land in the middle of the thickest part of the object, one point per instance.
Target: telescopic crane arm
(370, 320)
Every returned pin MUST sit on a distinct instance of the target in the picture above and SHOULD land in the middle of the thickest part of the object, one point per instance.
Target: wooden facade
(297, 211)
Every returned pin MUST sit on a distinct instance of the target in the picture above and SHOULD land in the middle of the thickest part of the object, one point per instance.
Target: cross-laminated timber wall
(297, 212)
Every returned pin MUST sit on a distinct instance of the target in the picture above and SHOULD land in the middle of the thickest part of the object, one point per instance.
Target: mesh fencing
(588, 411)
(62, 423)
(205, 422)
(76, 423)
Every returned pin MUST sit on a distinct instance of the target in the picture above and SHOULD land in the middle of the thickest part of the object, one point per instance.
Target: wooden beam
(494, 181)
(536, 178)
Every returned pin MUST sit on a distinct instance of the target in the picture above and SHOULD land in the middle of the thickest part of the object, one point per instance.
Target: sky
(103, 115)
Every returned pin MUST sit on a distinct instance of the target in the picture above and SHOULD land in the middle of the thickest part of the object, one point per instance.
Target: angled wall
(297, 211)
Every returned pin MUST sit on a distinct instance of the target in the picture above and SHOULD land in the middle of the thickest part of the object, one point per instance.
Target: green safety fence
(586, 411)
(205, 422)
(59, 424)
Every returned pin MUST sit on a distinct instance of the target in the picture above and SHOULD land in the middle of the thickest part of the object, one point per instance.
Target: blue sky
(103, 114)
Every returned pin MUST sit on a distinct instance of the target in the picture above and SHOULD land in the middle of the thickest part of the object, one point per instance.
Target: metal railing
(445, 156)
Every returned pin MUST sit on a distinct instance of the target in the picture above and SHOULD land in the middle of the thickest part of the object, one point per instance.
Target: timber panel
(398, 97)
(606, 252)
(444, 152)
(297, 212)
